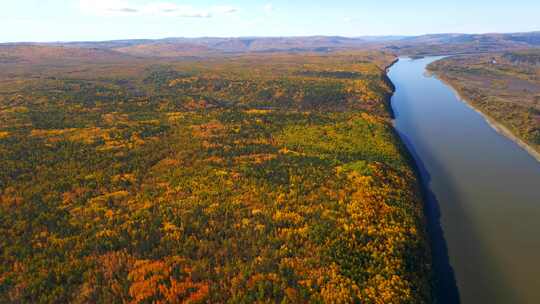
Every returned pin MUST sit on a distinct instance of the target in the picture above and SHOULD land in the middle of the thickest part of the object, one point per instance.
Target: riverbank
(388, 81)
(495, 124)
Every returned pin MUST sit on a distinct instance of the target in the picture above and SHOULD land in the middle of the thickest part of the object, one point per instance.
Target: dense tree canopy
(268, 179)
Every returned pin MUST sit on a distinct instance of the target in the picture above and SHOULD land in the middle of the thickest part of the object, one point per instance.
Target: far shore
(496, 125)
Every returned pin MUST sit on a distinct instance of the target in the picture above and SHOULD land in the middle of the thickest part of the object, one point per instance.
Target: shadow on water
(444, 282)
(445, 289)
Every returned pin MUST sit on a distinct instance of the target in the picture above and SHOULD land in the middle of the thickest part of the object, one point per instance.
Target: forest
(269, 178)
(505, 86)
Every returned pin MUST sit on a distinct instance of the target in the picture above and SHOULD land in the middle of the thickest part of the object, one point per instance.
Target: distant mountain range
(201, 47)
(442, 44)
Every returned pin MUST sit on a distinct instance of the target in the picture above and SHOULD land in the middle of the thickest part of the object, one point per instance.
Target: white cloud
(107, 7)
(268, 8)
(166, 9)
(174, 10)
(224, 9)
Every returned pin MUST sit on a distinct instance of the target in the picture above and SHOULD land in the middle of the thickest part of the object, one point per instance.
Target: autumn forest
(269, 152)
(273, 178)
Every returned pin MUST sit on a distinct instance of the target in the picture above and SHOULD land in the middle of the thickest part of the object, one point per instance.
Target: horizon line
(267, 37)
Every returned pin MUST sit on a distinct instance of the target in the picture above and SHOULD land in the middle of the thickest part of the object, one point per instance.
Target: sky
(92, 20)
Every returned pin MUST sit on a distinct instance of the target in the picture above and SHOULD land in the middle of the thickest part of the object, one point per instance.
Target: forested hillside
(268, 179)
(423, 45)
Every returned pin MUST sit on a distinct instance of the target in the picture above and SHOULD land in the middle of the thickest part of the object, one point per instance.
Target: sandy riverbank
(496, 125)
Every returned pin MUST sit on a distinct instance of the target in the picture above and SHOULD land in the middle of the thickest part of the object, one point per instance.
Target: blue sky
(76, 20)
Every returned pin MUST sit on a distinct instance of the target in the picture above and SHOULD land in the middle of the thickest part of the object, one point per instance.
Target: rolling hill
(433, 44)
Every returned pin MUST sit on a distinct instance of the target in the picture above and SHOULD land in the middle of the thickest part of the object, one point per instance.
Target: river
(482, 193)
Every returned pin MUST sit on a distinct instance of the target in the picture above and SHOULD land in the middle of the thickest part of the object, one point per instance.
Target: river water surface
(482, 192)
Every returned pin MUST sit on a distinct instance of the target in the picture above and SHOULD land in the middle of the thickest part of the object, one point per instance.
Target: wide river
(482, 192)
